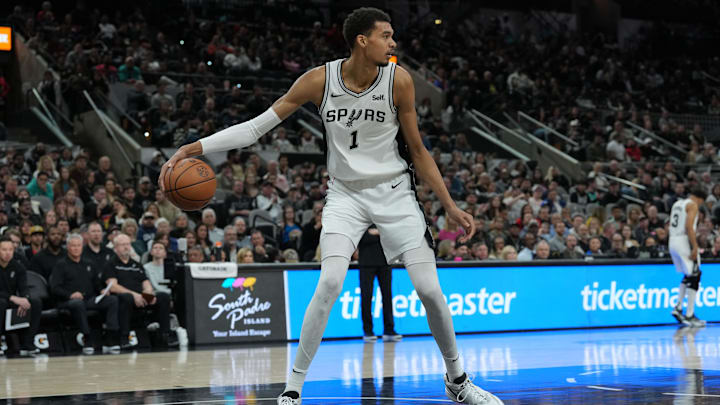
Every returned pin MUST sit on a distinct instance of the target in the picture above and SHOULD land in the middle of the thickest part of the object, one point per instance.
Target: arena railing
(658, 138)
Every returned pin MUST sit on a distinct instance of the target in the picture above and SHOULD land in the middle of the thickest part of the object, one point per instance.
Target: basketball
(190, 185)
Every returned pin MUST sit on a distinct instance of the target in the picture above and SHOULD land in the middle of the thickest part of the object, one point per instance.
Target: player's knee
(329, 288)
(430, 296)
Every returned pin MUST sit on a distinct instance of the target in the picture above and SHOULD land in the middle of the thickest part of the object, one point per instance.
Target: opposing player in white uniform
(684, 252)
(364, 102)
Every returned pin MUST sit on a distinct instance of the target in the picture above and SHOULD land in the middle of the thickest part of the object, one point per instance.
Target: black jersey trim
(326, 88)
(378, 79)
(390, 89)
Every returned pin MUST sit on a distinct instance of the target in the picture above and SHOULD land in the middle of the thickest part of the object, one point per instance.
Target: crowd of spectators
(59, 207)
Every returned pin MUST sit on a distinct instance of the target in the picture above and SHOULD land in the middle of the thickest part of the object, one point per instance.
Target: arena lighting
(5, 38)
(209, 63)
(438, 21)
(147, 134)
(182, 42)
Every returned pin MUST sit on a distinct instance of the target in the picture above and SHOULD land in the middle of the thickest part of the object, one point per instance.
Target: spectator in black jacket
(373, 264)
(44, 261)
(134, 290)
(95, 252)
(14, 294)
(73, 284)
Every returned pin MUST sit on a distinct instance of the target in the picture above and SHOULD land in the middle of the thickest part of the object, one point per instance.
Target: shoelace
(286, 401)
(469, 388)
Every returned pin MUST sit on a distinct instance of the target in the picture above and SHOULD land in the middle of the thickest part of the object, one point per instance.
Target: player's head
(698, 194)
(368, 30)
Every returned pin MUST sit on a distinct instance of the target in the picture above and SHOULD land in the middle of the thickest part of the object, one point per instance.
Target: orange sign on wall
(5, 38)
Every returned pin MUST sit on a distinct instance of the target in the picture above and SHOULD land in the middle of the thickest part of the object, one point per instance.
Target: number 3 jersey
(361, 128)
(678, 218)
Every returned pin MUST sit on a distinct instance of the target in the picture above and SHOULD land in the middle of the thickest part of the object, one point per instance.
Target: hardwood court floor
(659, 365)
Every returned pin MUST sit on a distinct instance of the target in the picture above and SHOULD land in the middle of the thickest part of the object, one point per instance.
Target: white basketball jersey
(678, 218)
(360, 128)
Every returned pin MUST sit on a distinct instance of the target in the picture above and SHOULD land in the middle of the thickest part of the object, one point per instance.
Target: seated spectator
(480, 251)
(40, 186)
(291, 231)
(542, 250)
(245, 256)
(229, 243)
(37, 239)
(238, 203)
(196, 254)
(44, 261)
(594, 247)
(94, 252)
(155, 269)
(147, 231)
(15, 295)
(129, 282)
(262, 252)
(526, 252)
(166, 208)
(25, 212)
(508, 253)
(270, 201)
(128, 72)
(446, 250)
(572, 250)
(209, 219)
(98, 207)
(73, 285)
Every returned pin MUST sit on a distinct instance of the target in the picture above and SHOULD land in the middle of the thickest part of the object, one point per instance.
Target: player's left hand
(465, 220)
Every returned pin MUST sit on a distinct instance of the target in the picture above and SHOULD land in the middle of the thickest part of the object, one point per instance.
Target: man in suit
(373, 264)
(15, 295)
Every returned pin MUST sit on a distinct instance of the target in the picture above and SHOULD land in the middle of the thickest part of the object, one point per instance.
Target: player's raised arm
(307, 88)
(427, 170)
(692, 212)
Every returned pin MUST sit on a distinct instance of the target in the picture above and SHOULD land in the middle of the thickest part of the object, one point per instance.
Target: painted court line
(570, 380)
(243, 400)
(597, 387)
(591, 372)
(680, 394)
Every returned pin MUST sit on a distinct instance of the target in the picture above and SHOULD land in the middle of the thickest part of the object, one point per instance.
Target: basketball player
(365, 103)
(684, 251)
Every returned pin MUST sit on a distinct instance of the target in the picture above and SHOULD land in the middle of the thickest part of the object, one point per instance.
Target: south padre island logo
(238, 307)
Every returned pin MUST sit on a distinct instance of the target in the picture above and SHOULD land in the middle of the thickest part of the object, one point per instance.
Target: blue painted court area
(649, 365)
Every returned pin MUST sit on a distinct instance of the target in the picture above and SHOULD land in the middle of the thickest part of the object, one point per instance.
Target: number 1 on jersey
(354, 143)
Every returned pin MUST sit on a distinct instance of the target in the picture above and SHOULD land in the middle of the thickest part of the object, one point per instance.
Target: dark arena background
(566, 128)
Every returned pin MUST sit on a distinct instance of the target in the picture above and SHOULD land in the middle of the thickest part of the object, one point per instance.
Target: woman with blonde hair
(245, 256)
(446, 249)
(130, 228)
(46, 164)
(594, 226)
(508, 253)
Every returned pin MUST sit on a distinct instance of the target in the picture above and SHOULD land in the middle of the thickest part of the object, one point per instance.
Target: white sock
(681, 297)
(296, 380)
(454, 367)
(691, 302)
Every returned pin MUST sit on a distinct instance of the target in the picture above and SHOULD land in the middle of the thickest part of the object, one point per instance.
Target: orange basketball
(190, 185)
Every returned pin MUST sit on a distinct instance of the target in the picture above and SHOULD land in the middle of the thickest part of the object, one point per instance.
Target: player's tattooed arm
(427, 170)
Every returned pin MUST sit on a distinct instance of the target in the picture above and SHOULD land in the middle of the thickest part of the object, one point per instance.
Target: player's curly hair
(360, 22)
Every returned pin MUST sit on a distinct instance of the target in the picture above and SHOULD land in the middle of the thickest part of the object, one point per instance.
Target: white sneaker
(694, 322)
(288, 401)
(469, 393)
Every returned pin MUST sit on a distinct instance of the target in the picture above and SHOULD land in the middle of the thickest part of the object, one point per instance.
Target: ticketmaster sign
(517, 298)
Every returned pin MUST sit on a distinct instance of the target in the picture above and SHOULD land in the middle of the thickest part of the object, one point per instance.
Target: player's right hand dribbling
(168, 166)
